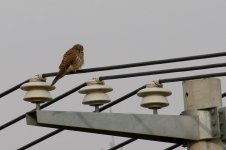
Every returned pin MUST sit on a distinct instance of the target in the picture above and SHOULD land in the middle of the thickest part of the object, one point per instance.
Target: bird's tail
(60, 74)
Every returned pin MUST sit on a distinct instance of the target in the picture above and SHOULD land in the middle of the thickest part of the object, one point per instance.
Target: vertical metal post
(155, 111)
(97, 109)
(199, 94)
(37, 106)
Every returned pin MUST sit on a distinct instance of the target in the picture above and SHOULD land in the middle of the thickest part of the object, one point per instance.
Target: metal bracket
(208, 122)
(222, 119)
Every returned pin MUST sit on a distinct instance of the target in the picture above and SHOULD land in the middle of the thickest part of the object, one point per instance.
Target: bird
(72, 61)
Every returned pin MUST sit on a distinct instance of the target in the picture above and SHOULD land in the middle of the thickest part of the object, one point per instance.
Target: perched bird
(72, 61)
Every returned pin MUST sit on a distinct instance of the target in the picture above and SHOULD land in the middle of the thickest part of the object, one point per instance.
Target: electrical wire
(123, 144)
(164, 71)
(155, 62)
(224, 95)
(12, 89)
(192, 77)
(120, 99)
(147, 63)
(173, 146)
(137, 74)
(40, 139)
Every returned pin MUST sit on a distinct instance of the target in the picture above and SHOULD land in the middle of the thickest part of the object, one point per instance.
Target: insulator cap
(37, 90)
(154, 96)
(95, 93)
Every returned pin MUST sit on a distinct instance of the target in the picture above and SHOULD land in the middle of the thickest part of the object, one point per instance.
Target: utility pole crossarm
(165, 128)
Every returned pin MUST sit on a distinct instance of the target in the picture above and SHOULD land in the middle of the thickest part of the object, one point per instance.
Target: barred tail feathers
(60, 74)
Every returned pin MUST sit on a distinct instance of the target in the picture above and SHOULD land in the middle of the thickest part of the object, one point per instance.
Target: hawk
(72, 61)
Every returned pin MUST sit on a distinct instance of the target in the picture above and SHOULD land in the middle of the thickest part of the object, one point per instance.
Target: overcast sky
(34, 35)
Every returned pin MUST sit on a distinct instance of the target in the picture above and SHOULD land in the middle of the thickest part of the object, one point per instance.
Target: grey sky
(35, 34)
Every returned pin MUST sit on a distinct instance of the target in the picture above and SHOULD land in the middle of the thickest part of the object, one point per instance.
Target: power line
(192, 77)
(41, 139)
(12, 122)
(173, 146)
(129, 75)
(164, 71)
(12, 89)
(224, 95)
(155, 62)
(122, 144)
(147, 63)
(120, 99)
(63, 95)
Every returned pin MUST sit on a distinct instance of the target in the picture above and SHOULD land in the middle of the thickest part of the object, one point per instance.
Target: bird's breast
(69, 69)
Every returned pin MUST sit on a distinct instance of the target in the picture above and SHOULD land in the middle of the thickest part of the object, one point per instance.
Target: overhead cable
(139, 64)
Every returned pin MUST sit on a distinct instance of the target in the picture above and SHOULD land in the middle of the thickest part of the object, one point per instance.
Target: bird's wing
(68, 59)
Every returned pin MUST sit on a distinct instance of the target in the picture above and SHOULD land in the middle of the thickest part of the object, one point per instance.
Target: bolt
(186, 94)
(37, 106)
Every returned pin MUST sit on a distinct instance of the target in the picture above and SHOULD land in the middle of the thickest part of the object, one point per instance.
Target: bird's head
(79, 47)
